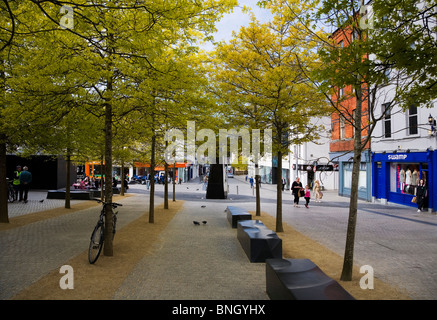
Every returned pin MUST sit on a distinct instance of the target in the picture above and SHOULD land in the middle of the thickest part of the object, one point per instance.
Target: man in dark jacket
(25, 180)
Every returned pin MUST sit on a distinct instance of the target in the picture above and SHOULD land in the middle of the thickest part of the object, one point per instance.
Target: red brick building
(343, 131)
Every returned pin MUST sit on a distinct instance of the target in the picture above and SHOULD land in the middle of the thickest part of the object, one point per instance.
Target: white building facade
(404, 151)
(309, 161)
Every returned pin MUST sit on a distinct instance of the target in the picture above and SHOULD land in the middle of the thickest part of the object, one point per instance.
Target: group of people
(87, 183)
(21, 182)
(96, 183)
(298, 191)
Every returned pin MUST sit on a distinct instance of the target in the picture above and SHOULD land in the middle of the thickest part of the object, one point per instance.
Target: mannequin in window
(408, 181)
(415, 177)
(408, 177)
(402, 180)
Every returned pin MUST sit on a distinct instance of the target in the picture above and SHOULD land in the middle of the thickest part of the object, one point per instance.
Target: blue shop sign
(403, 157)
(398, 157)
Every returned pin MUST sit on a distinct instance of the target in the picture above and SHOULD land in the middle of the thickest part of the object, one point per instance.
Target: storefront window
(348, 176)
(405, 177)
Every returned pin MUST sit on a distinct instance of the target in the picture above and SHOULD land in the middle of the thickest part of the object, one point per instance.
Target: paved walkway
(399, 243)
(197, 262)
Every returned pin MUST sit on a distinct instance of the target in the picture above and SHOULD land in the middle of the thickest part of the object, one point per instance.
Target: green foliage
(404, 34)
(263, 85)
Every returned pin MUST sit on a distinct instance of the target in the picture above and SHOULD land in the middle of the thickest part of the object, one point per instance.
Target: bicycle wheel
(96, 243)
(114, 223)
(11, 195)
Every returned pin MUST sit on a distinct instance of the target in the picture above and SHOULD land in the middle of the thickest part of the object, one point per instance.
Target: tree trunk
(4, 215)
(102, 187)
(257, 191)
(68, 182)
(122, 179)
(346, 274)
(174, 181)
(152, 181)
(108, 248)
(166, 181)
(279, 227)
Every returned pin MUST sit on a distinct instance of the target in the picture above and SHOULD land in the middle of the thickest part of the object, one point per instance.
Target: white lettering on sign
(397, 156)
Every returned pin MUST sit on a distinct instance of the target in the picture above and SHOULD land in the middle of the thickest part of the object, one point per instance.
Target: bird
(41, 200)
(196, 223)
(204, 222)
(203, 206)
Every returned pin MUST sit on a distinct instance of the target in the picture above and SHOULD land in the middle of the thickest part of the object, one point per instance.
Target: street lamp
(432, 123)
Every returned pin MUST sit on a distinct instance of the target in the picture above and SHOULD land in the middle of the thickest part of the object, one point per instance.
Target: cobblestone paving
(399, 243)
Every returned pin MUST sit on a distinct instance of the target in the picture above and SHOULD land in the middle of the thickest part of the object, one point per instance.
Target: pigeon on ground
(41, 200)
(196, 223)
(204, 222)
(203, 206)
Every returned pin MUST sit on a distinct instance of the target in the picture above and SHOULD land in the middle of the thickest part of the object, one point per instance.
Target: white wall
(400, 138)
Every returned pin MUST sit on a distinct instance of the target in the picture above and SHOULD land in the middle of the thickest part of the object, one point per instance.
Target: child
(307, 195)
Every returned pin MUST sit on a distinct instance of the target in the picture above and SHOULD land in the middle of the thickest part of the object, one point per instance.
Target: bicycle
(98, 235)
(11, 191)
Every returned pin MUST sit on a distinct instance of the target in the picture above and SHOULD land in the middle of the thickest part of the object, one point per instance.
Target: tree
(262, 81)
(351, 74)
(406, 32)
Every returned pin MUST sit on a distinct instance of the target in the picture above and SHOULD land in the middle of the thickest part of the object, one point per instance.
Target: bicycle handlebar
(113, 204)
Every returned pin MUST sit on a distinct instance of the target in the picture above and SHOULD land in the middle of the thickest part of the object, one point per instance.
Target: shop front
(345, 166)
(396, 176)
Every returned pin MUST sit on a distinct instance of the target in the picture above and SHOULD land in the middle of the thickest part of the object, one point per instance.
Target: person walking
(251, 182)
(421, 194)
(307, 195)
(25, 180)
(296, 187)
(317, 194)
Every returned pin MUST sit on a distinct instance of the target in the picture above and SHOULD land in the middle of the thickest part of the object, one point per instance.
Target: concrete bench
(301, 279)
(235, 214)
(258, 242)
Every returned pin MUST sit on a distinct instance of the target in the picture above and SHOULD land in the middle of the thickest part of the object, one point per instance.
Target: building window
(386, 109)
(404, 177)
(412, 120)
(387, 73)
(342, 127)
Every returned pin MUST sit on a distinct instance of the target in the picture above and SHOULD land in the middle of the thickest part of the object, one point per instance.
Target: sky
(233, 22)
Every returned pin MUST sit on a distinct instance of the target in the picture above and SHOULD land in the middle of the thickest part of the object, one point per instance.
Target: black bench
(74, 194)
(235, 214)
(258, 242)
(301, 279)
(97, 192)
